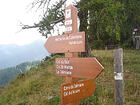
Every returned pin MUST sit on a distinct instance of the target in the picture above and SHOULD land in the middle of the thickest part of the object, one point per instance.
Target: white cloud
(12, 12)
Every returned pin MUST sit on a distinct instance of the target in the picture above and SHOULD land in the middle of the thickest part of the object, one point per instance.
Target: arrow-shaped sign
(66, 43)
(88, 68)
(72, 92)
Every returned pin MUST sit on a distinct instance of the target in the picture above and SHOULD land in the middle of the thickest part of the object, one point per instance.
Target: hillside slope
(8, 74)
(42, 87)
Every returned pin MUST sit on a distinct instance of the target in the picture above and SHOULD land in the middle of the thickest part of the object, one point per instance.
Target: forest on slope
(8, 74)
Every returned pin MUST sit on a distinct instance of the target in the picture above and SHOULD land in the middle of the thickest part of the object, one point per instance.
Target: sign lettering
(68, 22)
(72, 92)
(68, 13)
(68, 29)
(88, 68)
(66, 43)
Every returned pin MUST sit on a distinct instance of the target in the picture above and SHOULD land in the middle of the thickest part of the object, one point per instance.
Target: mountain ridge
(12, 54)
(8, 74)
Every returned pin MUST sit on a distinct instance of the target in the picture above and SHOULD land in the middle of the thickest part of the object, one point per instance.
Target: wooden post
(70, 79)
(137, 42)
(71, 27)
(118, 76)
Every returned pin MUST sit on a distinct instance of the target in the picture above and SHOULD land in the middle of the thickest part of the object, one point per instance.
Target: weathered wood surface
(71, 24)
(118, 76)
(73, 18)
(72, 92)
(136, 42)
(88, 68)
(70, 79)
(66, 43)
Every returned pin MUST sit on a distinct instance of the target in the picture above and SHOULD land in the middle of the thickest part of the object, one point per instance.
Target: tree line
(106, 22)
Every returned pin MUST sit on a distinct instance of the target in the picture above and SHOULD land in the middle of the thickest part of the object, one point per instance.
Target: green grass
(105, 82)
(42, 87)
(34, 88)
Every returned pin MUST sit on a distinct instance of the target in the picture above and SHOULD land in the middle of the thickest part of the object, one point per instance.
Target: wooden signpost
(88, 68)
(71, 66)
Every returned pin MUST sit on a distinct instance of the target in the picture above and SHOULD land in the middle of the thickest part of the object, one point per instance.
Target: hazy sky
(12, 12)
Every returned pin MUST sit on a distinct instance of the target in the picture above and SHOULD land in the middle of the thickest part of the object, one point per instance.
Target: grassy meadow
(40, 86)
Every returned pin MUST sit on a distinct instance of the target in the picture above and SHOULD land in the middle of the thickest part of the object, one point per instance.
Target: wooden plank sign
(72, 92)
(71, 19)
(66, 43)
(88, 68)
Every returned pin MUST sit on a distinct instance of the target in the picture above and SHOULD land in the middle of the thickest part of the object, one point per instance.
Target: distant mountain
(8, 74)
(11, 55)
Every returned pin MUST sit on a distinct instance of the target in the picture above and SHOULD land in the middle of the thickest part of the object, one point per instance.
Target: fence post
(118, 76)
